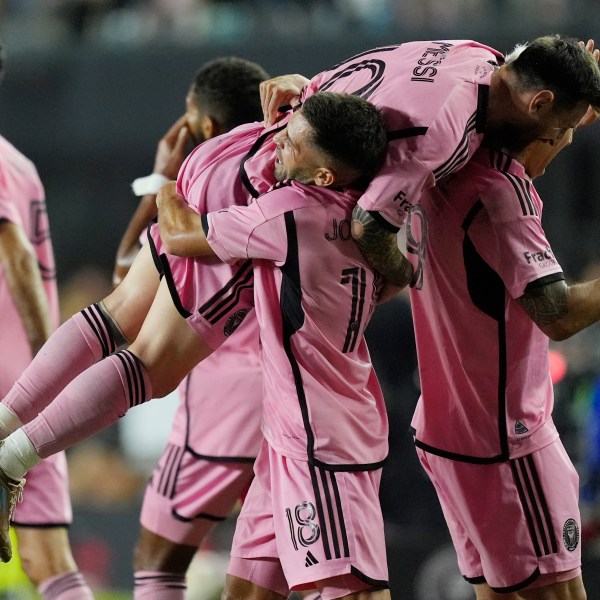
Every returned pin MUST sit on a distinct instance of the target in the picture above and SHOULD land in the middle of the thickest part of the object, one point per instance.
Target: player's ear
(325, 177)
(541, 101)
(210, 127)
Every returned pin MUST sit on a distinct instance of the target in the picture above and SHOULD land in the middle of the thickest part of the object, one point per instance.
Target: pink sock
(68, 586)
(81, 341)
(92, 401)
(157, 585)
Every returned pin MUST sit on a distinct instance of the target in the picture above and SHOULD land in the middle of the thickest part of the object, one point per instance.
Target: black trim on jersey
(543, 504)
(221, 459)
(228, 296)
(205, 226)
(455, 455)
(483, 94)
(488, 293)
(201, 515)
(518, 586)
(475, 580)
(497, 158)
(523, 190)
(546, 280)
(383, 222)
(253, 150)
(40, 525)
(406, 132)
(460, 154)
(134, 375)
(166, 270)
(154, 251)
(292, 315)
(381, 584)
(4, 220)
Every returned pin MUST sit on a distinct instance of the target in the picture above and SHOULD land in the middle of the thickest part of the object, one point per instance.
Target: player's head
(546, 87)
(224, 94)
(539, 154)
(332, 140)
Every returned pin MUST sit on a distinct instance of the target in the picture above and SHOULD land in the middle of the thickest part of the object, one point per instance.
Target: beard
(297, 174)
(512, 138)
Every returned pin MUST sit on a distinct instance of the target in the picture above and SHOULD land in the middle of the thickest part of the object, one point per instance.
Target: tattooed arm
(561, 310)
(380, 247)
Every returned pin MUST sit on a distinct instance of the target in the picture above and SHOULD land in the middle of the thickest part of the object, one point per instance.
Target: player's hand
(592, 114)
(275, 92)
(172, 149)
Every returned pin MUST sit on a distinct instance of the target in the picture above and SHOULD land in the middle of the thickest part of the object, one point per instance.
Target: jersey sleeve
(249, 232)
(510, 236)
(418, 157)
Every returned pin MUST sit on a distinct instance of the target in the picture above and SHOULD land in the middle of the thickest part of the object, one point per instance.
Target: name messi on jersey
(542, 258)
(426, 68)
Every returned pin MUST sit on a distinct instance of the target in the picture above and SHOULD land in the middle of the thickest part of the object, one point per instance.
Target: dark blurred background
(91, 86)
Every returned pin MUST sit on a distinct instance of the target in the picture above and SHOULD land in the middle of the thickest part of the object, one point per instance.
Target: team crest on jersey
(520, 429)
(234, 321)
(571, 534)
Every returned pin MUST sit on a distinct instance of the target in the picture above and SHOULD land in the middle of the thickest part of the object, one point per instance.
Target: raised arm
(181, 230)
(379, 246)
(285, 89)
(170, 154)
(22, 272)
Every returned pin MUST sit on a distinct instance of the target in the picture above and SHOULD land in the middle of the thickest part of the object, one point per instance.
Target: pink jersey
(433, 96)
(22, 202)
(476, 242)
(314, 294)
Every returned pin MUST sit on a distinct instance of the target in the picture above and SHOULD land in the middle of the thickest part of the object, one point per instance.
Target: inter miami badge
(571, 534)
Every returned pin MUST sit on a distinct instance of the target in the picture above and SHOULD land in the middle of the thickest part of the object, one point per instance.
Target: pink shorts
(212, 296)
(514, 524)
(46, 501)
(303, 527)
(188, 494)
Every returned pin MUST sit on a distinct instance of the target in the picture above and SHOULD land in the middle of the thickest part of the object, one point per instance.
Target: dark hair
(561, 65)
(348, 129)
(227, 90)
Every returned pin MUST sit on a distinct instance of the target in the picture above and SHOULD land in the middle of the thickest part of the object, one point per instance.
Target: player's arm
(561, 310)
(181, 228)
(278, 91)
(24, 279)
(379, 246)
(170, 154)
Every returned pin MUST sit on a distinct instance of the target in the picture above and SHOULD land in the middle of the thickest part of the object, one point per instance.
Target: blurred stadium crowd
(139, 22)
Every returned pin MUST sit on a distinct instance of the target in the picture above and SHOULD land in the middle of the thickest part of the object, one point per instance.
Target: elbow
(559, 331)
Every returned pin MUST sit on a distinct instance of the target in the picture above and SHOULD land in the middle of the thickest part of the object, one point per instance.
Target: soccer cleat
(11, 492)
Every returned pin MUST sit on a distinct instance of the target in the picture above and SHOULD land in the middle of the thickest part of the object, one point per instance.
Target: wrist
(150, 184)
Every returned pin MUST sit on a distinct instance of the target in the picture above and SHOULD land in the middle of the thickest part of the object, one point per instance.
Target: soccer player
(322, 151)
(207, 463)
(483, 425)
(28, 314)
(440, 99)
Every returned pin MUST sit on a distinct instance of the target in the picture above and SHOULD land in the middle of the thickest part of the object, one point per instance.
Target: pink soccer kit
(206, 466)
(22, 202)
(322, 405)
(484, 415)
(433, 95)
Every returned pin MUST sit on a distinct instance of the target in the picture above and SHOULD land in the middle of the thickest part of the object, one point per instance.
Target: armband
(150, 184)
